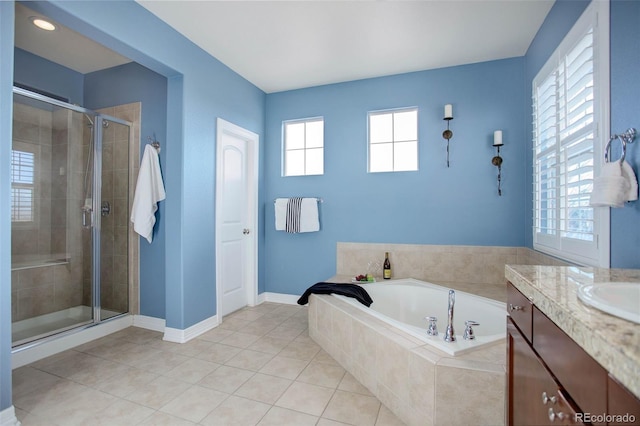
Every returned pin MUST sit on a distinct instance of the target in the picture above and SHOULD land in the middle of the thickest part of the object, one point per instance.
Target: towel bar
(625, 138)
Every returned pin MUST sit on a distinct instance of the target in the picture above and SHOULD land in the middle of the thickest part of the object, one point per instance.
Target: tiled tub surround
(420, 384)
(613, 342)
(474, 269)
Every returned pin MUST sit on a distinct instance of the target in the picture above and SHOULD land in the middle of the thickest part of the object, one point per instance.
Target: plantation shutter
(22, 186)
(565, 129)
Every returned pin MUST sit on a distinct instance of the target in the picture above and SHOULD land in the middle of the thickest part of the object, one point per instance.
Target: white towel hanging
(149, 191)
(296, 215)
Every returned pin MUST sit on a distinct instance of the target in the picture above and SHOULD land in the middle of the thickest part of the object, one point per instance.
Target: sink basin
(618, 299)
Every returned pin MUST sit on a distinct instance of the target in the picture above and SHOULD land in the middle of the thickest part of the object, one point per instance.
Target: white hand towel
(149, 191)
(281, 213)
(611, 188)
(309, 215)
(630, 176)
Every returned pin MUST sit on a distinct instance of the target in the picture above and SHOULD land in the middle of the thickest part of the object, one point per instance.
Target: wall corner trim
(8, 417)
(182, 336)
(289, 299)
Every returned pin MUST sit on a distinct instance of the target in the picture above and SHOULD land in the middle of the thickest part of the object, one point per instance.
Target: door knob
(246, 231)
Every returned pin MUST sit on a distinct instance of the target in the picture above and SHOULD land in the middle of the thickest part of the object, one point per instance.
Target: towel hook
(625, 138)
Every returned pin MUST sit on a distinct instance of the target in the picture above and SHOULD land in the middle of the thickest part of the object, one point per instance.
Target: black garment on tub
(350, 290)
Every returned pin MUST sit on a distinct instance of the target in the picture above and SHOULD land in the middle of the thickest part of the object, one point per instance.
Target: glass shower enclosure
(69, 217)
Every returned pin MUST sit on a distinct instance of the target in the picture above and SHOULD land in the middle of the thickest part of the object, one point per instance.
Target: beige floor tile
(306, 398)
(195, 403)
(286, 368)
(327, 422)
(226, 379)
(269, 344)
(39, 400)
(219, 353)
(261, 327)
(352, 408)
(263, 388)
(246, 314)
(387, 418)
(321, 374)
(120, 413)
(28, 419)
(159, 361)
(236, 411)
(192, 370)
(75, 409)
(350, 384)
(285, 332)
(191, 348)
(215, 335)
(130, 380)
(158, 392)
(323, 356)
(240, 339)
(233, 324)
(301, 351)
(28, 379)
(278, 416)
(163, 419)
(250, 360)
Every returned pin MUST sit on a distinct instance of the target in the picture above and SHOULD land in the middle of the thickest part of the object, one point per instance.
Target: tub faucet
(449, 334)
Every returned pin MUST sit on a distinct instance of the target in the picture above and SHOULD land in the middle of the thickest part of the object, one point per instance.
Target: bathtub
(405, 303)
(418, 377)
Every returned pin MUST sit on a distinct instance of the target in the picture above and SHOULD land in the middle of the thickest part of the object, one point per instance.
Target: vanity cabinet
(551, 379)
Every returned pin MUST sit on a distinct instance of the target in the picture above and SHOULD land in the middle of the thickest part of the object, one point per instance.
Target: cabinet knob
(546, 398)
(513, 307)
(559, 415)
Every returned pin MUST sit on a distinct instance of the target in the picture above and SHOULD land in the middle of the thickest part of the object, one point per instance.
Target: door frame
(253, 148)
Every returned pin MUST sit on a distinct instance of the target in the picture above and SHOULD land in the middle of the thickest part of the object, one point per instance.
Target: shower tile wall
(37, 288)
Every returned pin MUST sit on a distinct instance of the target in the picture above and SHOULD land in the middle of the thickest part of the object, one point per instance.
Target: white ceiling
(283, 45)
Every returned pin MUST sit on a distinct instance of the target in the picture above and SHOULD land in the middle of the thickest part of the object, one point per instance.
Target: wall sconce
(448, 134)
(497, 160)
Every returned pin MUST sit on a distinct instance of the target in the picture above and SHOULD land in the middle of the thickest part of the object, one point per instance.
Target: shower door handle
(85, 211)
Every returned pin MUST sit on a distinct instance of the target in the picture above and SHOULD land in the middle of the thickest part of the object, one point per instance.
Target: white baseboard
(64, 342)
(289, 299)
(8, 417)
(149, 323)
(182, 336)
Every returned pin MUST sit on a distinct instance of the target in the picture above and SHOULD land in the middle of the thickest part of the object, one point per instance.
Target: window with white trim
(570, 119)
(303, 147)
(22, 186)
(393, 140)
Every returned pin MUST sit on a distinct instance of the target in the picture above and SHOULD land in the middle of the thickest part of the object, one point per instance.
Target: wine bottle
(387, 266)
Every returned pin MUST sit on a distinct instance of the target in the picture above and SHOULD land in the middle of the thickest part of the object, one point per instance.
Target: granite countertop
(613, 342)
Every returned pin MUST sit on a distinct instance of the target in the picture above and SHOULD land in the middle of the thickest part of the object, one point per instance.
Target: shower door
(67, 252)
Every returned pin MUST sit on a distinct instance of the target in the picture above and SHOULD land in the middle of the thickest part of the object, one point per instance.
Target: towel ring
(625, 138)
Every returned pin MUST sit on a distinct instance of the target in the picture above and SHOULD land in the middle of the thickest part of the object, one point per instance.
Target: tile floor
(259, 367)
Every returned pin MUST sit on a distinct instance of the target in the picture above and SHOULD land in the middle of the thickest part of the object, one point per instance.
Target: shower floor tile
(243, 373)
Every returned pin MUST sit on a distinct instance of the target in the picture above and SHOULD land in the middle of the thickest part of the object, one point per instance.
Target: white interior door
(236, 212)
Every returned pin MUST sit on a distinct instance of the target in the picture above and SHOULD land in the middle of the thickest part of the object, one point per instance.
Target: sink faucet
(449, 334)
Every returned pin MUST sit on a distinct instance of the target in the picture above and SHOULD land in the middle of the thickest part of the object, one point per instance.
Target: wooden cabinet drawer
(519, 309)
(582, 377)
(535, 398)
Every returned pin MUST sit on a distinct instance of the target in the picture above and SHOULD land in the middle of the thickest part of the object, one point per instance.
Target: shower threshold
(36, 328)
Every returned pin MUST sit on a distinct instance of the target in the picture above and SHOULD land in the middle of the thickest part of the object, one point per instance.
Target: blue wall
(435, 205)
(44, 75)
(625, 113)
(625, 95)
(199, 89)
(122, 85)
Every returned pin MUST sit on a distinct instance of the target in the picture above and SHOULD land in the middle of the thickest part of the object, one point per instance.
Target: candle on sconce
(448, 111)
(497, 138)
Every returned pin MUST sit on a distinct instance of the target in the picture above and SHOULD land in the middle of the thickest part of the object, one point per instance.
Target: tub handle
(468, 331)
(433, 328)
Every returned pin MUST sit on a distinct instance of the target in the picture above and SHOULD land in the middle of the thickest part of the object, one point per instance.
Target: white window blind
(569, 109)
(22, 186)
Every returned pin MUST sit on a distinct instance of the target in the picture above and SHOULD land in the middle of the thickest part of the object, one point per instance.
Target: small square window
(22, 186)
(303, 147)
(393, 140)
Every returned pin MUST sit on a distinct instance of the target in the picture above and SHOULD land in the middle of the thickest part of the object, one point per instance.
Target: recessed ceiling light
(42, 24)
